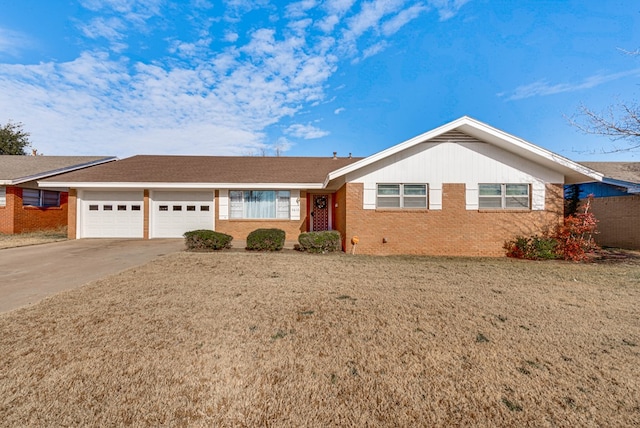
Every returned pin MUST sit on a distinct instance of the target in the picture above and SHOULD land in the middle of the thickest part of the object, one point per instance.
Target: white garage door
(106, 214)
(174, 213)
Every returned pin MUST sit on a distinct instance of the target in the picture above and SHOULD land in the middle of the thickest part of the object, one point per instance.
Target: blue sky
(252, 77)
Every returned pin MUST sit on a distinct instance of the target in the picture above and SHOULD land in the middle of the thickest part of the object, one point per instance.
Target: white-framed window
(401, 196)
(40, 198)
(504, 196)
(259, 204)
(3, 196)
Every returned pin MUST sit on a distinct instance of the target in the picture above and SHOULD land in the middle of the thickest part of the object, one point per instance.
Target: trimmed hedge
(206, 240)
(320, 242)
(266, 240)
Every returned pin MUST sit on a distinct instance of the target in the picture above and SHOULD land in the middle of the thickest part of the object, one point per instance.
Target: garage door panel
(112, 214)
(174, 213)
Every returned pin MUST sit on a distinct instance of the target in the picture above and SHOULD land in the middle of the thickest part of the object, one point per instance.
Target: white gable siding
(454, 160)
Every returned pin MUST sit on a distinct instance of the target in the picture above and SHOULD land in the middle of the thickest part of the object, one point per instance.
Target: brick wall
(14, 218)
(454, 230)
(239, 229)
(618, 221)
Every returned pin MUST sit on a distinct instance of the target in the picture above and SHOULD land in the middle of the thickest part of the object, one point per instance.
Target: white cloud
(397, 22)
(307, 132)
(543, 88)
(339, 110)
(299, 9)
(109, 28)
(231, 37)
(447, 9)
(12, 42)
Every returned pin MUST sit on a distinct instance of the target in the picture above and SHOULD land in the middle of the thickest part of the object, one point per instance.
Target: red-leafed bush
(575, 236)
(573, 240)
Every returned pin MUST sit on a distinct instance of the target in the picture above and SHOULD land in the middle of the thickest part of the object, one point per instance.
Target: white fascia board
(484, 132)
(185, 186)
(62, 170)
(6, 182)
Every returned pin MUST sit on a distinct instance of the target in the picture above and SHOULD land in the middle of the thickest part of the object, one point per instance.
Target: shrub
(266, 240)
(532, 248)
(206, 240)
(575, 236)
(320, 242)
(573, 240)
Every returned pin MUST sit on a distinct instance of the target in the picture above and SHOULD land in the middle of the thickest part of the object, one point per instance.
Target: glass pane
(490, 203)
(236, 205)
(122, 207)
(3, 196)
(490, 190)
(50, 198)
(415, 189)
(163, 208)
(191, 207)
(107, 208)
(31, 197)
(204, 208)
(517, 189)
(389, 202)
(284, 197)
(93, 208)
(388, 189)
(413, 202)
(518, 203)
(177, 207)
(135, 207)
(260, 204)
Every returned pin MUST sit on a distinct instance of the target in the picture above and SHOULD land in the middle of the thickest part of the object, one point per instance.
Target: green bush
(320, 242)
(206, 240)
(266, 240)
(532, 248)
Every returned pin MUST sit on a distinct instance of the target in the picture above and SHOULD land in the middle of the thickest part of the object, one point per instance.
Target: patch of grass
(511, 405)
(280, 334)
(481, 338)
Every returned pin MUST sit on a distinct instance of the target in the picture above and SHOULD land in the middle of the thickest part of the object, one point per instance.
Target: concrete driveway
(29, 274)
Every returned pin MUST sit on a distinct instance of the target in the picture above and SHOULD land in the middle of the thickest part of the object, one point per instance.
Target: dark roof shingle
(16, 169)
(624, 171)
(209, 169)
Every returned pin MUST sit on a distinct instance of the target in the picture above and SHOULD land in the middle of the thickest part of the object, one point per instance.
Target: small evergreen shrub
(206, 240)
(266, 240)
(532, 248)
(320, 242)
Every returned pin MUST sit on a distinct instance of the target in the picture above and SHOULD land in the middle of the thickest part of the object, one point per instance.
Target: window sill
(402, 210)
(503, 210)
(259, 219)
(31, 207)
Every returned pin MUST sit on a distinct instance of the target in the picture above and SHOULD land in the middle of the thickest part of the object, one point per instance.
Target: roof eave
(162, 185)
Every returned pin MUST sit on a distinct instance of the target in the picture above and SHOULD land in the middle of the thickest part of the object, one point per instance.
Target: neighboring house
(23, 206)
(616, 203)
(461, 189)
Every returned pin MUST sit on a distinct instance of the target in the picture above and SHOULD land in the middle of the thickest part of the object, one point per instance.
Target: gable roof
(204, 171)
(573, 172)
(16, 169)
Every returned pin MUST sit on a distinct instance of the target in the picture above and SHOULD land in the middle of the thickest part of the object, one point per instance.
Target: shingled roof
(624, 171)
(20, 169)
(208, 169)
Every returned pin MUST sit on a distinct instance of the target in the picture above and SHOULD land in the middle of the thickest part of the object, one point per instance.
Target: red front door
(320, 212)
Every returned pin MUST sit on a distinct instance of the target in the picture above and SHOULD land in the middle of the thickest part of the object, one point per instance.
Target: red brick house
(24, 207)
(461, 189)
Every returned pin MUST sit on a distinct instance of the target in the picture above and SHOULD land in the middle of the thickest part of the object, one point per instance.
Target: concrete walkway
(29, 274)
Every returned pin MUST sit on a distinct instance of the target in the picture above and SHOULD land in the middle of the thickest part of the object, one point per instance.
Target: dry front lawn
(289, 339)
(32, 238)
